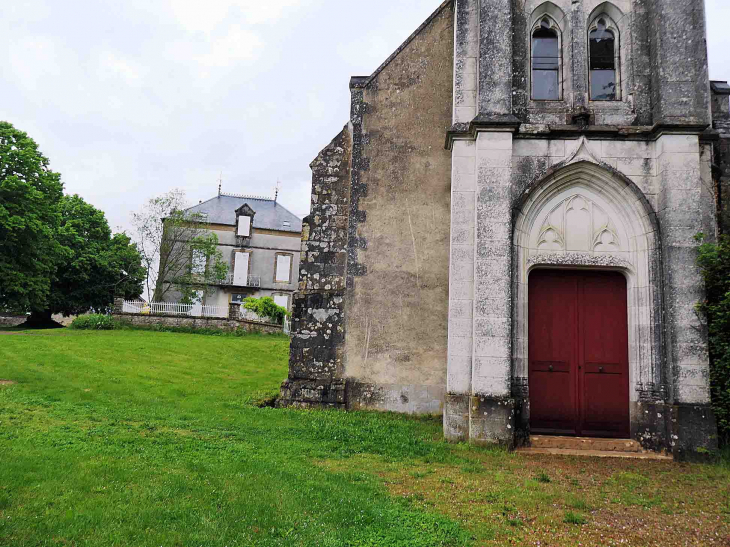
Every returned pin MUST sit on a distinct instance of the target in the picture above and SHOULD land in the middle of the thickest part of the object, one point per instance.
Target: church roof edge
(357, 82)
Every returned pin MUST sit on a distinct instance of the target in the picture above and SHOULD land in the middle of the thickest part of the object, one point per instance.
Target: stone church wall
(399, 227)
(318, 311)
(423, 307)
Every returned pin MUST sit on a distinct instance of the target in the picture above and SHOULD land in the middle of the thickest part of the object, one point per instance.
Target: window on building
(240, 270)
(545, 62)
(198, 262)
(244, 226)
(603, 61)
(283, 269)
(282, 300)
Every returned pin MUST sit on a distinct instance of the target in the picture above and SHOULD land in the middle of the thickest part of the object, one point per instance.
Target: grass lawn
(131, 438)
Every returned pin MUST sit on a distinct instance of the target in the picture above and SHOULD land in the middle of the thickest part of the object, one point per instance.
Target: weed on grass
(575, 518)
(543, 478)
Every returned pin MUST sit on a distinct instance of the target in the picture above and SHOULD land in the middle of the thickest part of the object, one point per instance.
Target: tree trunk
(41, 320)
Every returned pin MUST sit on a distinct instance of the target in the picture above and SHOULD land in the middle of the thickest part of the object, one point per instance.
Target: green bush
(94, 321)
(266, 307)
(714, 259)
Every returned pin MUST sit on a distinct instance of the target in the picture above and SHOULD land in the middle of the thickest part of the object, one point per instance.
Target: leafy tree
(57, 253)
(206, 267)
(714, 259)
(178, 248)
(29, 217)
(98, 265)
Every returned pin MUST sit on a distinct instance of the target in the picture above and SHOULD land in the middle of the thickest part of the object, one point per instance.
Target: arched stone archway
(585, 216)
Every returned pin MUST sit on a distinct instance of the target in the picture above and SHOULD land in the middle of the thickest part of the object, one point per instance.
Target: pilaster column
(495, 57)
(680, 79)
(461, 291)
(579, 55)
(680, 213)
(466, 54)
(492, 411)
(234, 311)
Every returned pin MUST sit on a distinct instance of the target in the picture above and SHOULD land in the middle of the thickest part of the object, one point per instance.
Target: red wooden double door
(578, 353)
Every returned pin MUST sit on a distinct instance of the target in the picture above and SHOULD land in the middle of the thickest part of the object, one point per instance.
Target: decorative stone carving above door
(578, 224)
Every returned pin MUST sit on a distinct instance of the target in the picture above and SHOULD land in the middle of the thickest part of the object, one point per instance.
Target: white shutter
(282, 300)
(197, 310)
(198, 266)
(244, 226)
(283, 267)
(240, 270)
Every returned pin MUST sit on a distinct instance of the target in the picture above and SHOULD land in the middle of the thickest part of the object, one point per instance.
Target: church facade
(505, 231)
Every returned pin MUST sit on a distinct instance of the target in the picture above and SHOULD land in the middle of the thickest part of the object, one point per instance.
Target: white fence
(174, 308)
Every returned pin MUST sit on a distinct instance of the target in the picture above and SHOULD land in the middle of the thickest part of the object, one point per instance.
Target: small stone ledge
(228, 325)
(12, 320)
(298, 393)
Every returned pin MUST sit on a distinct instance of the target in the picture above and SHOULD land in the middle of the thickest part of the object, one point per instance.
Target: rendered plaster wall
(398, 271)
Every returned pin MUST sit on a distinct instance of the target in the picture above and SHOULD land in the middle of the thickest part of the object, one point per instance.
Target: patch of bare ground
(555, 501)
(6, 382)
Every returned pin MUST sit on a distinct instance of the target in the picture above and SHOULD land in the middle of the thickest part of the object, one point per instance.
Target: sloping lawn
(131, 438)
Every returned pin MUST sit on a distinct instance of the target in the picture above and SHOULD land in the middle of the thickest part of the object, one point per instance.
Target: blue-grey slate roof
(269, 214)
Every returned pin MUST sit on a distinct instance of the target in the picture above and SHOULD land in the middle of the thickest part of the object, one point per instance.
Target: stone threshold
(590, 447)
(594, 453)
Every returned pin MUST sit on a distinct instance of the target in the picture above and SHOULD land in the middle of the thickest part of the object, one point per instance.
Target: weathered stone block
(492, 420)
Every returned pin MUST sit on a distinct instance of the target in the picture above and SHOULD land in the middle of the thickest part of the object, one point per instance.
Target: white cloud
(36, 61)
(206, 17)
(237, 45)
(114, 66)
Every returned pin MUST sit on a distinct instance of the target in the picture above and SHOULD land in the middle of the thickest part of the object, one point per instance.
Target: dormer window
(604, 60)
(244, 226)
(546, 84)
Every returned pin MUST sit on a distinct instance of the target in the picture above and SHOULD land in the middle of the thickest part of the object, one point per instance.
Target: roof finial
(276, 190)
(220, 183)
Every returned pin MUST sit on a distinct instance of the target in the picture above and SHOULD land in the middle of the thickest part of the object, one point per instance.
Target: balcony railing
(252, 281)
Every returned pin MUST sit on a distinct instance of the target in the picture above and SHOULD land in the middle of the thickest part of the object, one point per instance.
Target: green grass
(140, 438)
(121, 438)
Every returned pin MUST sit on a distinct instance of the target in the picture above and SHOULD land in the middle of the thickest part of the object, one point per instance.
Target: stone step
(549, 442)
(595, 453)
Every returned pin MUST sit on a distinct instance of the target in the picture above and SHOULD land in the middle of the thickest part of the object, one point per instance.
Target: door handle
(600, 369)
(550, 368)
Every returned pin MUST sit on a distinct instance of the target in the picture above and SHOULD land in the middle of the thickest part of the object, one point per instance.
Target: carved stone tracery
(578, 224)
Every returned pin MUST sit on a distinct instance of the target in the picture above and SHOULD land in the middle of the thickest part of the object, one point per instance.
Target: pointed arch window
(603, 53)
(546, 81)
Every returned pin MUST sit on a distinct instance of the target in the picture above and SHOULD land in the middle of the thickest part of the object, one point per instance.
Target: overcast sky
(131, 98)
